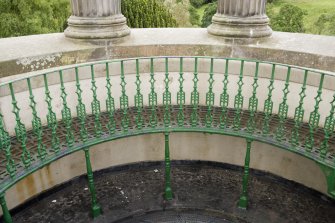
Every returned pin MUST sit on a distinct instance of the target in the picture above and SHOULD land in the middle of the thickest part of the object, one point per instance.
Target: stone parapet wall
(32, 53)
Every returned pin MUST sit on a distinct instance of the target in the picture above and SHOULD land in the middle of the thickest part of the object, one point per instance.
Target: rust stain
(49, 175)
(26, 188)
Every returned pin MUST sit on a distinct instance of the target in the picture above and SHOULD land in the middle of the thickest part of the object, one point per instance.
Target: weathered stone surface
(240, 19)
(96, 19)
(32, 53)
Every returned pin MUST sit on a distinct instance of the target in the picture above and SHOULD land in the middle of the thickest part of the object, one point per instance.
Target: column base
(96, 211)
(240, 27)
(243, 202)
(97, 27)
(168, 194)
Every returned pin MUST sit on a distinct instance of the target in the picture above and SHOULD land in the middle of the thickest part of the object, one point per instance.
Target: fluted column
(96, 19)
(240, 18)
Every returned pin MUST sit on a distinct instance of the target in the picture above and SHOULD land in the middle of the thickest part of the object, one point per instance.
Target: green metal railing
(79, 127)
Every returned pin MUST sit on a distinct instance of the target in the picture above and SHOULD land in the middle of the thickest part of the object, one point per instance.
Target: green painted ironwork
(168, 190)
(283, 108)
(210, 96)
(243, 202)
(6, 215)
(167, 96)
(181, 95)
(110, 104)
(329, 129)
(96, 209)
(314, 118)
(253, 103)
(39, 144)
(299, 113)
(37, 125)
(152, 96)
(6, 145)
(20, 130)
(195, 96)
(66, 113)
(224, 99)
(268, 105)
(124, 103)
(95, 105)
(51, 117)
(138, 98)
(81, 109)
(238, 102)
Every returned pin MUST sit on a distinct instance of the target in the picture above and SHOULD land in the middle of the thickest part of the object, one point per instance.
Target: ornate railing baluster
(81, 109)
(95, 106)
(36, 124)
(124, 102)
(328, 130)
(268, 105)
(181, 95)
(6, 214)
(253, 103)
(224, 99)
(195, 96)
(210, 97)
(51, 117)
(20, 130)
(238, 102)
(95, 207)
(110, 104)
(243, 202)
(152, 96)
(138, 98)
(314, 118)
(167, 96)
(66, 113)
(283, 108)
(5, 145)
(299, 113)
(168, 190)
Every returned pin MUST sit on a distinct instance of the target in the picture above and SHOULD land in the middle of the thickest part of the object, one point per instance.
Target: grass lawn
(314, 8)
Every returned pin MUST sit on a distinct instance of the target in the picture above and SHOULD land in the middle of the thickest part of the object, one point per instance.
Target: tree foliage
(194, 16)
(197, 3)
(289, 19)
(208, 14)
(147, 14)
(23, 17)
(325, 24)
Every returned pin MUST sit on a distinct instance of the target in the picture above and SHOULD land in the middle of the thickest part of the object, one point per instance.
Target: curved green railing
(164, 109)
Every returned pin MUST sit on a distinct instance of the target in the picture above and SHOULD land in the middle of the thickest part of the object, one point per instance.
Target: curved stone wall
(26, 54)
(183, 146)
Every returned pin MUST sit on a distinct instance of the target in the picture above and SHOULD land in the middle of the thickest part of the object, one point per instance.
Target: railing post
(96, 209)
(6, 215)
(96, 19)
(168, 190)
(240, 18)
(243, 202)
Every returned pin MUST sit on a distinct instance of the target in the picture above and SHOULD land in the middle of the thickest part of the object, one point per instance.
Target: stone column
(240, 18)
(96, 19)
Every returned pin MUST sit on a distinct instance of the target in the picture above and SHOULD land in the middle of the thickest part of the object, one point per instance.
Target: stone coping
(37, 52)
